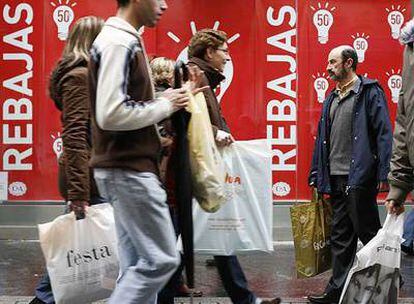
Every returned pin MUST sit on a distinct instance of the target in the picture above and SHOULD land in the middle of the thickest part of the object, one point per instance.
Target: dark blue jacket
(371, 140)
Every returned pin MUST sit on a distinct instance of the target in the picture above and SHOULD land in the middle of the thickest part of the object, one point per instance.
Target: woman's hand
(78, 207)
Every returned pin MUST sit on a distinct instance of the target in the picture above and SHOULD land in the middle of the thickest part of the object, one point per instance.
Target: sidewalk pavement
(269, 275)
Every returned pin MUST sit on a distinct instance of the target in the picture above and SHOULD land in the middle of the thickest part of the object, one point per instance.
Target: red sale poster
(372, 30)
(275, 81)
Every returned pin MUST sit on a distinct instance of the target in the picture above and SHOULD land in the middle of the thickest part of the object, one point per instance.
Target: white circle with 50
(58, 146)
(17, 188)
(281, 189)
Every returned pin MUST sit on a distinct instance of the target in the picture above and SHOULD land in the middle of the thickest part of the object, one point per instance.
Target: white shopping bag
(374, 278)
(81, 255)
(244, 222)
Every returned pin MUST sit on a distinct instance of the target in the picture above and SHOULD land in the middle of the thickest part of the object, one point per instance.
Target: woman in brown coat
(69, 90)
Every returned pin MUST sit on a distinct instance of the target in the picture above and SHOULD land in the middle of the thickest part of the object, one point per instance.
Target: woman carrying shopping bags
(68, 88)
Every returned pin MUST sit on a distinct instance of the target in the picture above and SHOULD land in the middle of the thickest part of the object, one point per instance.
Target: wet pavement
(269, 275)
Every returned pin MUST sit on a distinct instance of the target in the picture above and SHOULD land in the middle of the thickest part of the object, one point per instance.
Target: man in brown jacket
(401, 176)
(127, 149)
(209, 51)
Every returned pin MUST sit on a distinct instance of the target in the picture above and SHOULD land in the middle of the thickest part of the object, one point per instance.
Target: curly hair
(162, 70)
(204, 39)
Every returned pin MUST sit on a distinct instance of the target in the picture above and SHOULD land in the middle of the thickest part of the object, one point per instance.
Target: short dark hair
(350, 53)
(204, 39)
(122, 3)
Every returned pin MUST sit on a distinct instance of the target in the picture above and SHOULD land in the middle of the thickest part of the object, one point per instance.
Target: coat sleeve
(401, 177)
(208, 101)
(381, 124)
(313, 174)
(75, 136)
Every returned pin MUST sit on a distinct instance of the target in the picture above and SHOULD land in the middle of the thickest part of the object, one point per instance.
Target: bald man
(350, 162)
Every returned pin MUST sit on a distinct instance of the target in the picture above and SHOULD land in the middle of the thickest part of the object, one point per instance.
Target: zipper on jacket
(347, 188)
(357, 97)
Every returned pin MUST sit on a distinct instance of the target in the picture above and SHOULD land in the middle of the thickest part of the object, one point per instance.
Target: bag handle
(394, 224)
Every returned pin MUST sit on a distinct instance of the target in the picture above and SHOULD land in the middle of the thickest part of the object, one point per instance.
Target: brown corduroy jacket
(75, 179)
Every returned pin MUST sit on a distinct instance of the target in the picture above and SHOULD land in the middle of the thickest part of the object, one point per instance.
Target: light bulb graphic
(395, 20)
(360, 45)
(228, 68)
(394, 84)
(63, 16)
(320, 85)
(323, 20)
(57, 144)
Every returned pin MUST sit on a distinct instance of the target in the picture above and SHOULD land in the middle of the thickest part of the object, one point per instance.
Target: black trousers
(355, 216)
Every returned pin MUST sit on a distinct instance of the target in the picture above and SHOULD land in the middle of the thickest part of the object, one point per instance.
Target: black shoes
(36, 301)
(211, 263)
(325, 298)
(272, 301)
(407, 250)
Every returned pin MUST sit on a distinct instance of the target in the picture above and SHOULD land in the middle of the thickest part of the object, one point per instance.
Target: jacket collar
(364, 82)
(214, 77)
(355, 88)
(122, 25)
(407, 33)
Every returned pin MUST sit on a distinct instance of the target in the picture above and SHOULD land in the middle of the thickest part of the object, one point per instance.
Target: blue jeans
(167, 294)
(146, 240)
(408, 234)
(43, 289)
(234, 280)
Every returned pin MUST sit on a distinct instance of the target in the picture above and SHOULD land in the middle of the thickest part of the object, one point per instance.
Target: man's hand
(79, 208)
(394, 208)
(178, 97)
(383, 187)
(224, 139)
(193, 84)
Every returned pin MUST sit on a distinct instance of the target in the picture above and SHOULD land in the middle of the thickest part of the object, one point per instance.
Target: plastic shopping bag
(311, 227)
(374, 278)
(244, 222)
(205, 160)
(81, 255)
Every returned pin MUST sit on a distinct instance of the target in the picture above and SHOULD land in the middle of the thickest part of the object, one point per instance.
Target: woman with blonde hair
(162, 70)
(69, 90)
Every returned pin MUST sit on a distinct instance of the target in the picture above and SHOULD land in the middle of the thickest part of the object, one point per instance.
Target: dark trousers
(234, 280)
(355, 216)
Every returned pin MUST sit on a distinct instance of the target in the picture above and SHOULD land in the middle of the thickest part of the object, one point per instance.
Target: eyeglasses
(226, 51)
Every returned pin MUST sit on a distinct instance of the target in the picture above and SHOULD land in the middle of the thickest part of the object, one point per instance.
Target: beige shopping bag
(205, 160)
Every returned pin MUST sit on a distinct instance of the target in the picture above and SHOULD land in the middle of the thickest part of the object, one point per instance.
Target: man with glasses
(209, 51)
(350, 162)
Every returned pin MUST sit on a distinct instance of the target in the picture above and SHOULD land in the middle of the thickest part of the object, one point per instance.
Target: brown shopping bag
(311, 225)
